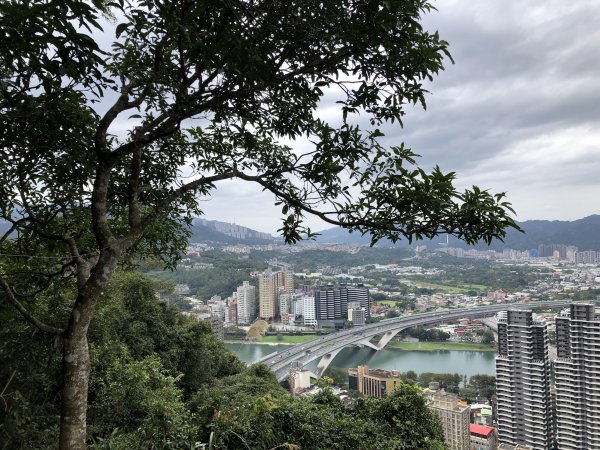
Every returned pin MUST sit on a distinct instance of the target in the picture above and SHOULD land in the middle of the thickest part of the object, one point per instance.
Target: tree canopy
(119, 117)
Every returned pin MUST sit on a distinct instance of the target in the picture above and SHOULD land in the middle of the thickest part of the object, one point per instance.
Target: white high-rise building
(309, 311)
(246, 303)
(577, 370)
(523, 381)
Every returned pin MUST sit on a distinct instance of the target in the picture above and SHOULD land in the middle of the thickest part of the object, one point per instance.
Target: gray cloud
(519, 111)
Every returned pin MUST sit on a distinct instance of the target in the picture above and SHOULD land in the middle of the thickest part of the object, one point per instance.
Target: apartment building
(577, 370)
(523, 381)
(454, 416)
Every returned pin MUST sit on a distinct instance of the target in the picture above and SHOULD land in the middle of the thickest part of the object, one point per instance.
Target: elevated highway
(327, 347)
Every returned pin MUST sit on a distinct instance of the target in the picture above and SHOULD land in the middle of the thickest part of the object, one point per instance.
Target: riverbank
(432, 346)
(279, 340)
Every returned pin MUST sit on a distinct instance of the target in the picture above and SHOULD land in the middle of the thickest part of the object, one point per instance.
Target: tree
(147, 358)
(106, 151)
(339, 376)
(483, 385)
(487, 336)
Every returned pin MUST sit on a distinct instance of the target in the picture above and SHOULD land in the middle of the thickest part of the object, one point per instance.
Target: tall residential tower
(246, 303)
(523, 381)
(270, 286)
(577, 370)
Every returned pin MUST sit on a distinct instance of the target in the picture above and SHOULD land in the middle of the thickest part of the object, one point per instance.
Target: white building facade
(246, 303)
(309, 311)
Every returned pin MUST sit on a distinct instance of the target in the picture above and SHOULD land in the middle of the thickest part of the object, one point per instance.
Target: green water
(440, 361)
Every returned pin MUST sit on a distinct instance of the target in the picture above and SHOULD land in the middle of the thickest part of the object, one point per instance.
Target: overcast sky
(519, 111)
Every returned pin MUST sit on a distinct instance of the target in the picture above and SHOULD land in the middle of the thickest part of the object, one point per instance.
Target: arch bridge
(327, 347)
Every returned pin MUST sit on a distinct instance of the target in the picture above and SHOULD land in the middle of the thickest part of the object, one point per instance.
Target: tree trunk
(76, 372)
(76, 353)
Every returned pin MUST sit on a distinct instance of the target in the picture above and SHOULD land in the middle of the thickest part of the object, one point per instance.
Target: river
(441, 361)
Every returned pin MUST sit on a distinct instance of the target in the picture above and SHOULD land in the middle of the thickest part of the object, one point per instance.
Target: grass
(284, 339)
(454, 289)
(431, 346)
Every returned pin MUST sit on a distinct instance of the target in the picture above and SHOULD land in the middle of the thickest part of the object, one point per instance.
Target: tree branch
(12, 299)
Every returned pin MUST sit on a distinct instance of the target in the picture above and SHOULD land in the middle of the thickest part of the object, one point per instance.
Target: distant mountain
(213, 231)
(204, 230)
(583, 233)
(338, 235)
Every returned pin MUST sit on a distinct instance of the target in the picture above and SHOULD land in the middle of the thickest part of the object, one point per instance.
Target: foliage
(483, 385)
(142, 400)
(29, 383)
(338, 376)
(486, 336)
(228, 272)
(447, 381)
(258, 329)
(147, 359)
(428, 334)
(465, 273)
(147, 327)
(401, 421)
(312, 260)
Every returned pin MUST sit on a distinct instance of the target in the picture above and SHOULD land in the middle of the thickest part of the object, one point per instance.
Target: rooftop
(480, 429)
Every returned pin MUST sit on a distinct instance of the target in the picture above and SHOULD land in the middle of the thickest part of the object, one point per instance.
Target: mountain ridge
(583, 233)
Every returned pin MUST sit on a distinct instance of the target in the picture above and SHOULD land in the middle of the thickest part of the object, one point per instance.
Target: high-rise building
(577, 370)
(291, 305)
(232, 313)
(309, 314)
(332, 303)
(523, 381)
(552, 250)
(246, 303)
(587, 257)
(454, 416)
(270, 286)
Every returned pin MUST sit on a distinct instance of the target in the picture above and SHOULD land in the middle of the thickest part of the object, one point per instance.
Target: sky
(518, 112)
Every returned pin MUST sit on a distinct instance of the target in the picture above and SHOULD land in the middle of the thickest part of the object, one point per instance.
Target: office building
(332, 303)
(454, 416)
(270, 286)
(523, 381)
(373, 383)
(577, 371)
(246, 303)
